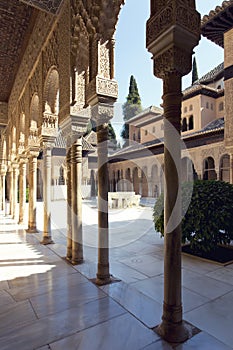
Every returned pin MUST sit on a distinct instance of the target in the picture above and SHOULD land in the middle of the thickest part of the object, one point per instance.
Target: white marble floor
(45, 303)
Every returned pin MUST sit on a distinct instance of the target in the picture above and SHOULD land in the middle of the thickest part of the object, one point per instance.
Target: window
(207, 105)
(134, 137)
(146, 132)
(184, 124)
(153, 129)
(185, 109)
(211, 106)
(191, 107)
(221, 106)
(191, 126)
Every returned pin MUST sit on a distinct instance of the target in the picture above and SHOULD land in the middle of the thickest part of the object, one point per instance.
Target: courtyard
(46, 303)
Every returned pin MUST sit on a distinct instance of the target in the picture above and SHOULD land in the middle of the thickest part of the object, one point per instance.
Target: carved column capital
(101, 113)
(48, 130)
(173, 30)
(75, 125)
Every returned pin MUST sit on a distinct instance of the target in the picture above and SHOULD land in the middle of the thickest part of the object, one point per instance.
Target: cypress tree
(194, 71)
(131, 107)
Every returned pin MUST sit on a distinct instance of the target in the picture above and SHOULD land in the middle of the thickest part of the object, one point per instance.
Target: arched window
(207, 105)
(184, 125)
(191, 107)
(209, 169)
(191, 125)
(225, 168)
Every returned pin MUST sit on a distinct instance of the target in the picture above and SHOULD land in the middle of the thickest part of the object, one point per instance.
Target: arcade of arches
(57, 72)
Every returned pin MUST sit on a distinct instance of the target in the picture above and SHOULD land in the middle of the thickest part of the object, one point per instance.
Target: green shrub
(209, 218)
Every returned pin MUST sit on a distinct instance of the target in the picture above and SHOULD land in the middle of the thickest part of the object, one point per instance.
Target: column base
(47, 240)
(21, 223)
(173, 332)
(104, 281)
(76, 262)
(32, 230)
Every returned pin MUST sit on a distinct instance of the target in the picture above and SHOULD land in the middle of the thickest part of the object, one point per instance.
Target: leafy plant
(209, 218)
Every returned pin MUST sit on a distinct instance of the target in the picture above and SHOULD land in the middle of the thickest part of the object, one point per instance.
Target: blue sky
(132, 57)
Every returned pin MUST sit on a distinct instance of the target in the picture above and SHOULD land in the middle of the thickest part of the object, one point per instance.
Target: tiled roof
(61, 143)
(214, 74)
(151, 109)
(216, 11)
(217, 22)
(214, 125)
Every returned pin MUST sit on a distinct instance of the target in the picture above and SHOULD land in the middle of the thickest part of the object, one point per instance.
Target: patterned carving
(50, 55)
(101, 113)
(173, 60)
(41, 29)
(51, 6)
(104, 64)
(180, 14)
(15, 21)
(102, 87)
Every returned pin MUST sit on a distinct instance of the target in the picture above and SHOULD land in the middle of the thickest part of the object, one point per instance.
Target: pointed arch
(51, 92)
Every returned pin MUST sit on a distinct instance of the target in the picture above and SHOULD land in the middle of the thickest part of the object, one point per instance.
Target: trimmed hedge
(209, 218)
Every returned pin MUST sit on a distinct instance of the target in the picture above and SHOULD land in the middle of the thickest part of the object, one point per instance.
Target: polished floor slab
(123, 332)
(46, 303)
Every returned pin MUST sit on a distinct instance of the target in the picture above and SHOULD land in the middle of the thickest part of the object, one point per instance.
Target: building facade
(139, 167)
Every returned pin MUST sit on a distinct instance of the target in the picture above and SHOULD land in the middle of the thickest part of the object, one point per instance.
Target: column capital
(48, 130)
(3, 169)
(172, 31)
(102, 113)
(75, 124)
(33, 153)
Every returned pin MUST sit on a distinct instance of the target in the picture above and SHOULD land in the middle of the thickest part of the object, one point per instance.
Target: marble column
(76, 211)
(171, 43)
(15, 191)
(69, 203)
(11, 190)
(47, 177)
(103, 274)
(22, 191)
(172, 326)
(3, 191)
(32, 192)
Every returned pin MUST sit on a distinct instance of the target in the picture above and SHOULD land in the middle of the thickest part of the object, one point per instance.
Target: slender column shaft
(69, 203)
(172, 326)
(32, 194)
(77, 244)
(103, 275)
(15, 192)
(22, 193)
(3, 196)
(11, 192)
(47, 153)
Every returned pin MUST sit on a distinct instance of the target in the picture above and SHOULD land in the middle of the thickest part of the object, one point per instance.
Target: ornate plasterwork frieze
(50, 6)
(102, 87)
(172, 13)
(172, 31)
